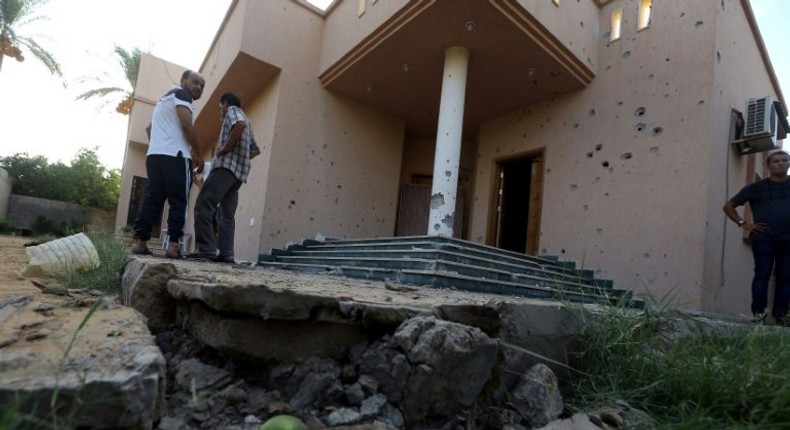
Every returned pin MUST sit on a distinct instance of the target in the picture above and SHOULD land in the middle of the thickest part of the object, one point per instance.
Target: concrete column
(448, 143)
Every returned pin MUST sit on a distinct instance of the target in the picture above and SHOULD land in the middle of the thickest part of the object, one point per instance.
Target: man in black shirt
(769, 199)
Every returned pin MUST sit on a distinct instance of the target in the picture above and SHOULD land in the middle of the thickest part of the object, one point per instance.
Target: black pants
(169, 179)
(216, 203)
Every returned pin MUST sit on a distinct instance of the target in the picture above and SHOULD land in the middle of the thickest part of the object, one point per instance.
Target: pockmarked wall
(739, 73)
(333, 164)
(628, 158)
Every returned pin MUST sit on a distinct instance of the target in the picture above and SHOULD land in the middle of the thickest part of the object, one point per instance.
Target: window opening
(645, 7)
(617, 24)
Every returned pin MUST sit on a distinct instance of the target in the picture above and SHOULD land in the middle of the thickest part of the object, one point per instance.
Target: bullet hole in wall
(574, 187)
(657, 131)
(605, 164)
(639, 127)
(590, 154)
(598, 147)
(626, 54)
(592, 112)
(718, 56)
(627, 156)
(585, 208)
(701, 102)
(698, 24)
(437, 200)
(653, 149)
(640, 111)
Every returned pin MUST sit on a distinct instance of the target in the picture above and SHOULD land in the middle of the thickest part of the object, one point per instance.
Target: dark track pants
(169, 179)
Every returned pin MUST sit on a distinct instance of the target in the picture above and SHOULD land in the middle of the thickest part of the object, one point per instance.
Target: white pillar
(448, 142)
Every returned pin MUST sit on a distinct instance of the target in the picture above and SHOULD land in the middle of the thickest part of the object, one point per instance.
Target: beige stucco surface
(637, 163)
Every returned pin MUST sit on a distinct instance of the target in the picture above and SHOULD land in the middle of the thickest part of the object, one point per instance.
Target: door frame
(493, 231)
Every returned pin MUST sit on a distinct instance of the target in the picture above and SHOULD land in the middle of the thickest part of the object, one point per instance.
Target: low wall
(23, 211)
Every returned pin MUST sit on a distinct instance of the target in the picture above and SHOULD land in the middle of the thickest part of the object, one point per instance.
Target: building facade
(598, 131)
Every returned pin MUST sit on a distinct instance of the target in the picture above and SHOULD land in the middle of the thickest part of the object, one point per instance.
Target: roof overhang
(514, 62)
(246, 76)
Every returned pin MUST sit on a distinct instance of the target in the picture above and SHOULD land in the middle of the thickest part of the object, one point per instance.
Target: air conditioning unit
(759, 131)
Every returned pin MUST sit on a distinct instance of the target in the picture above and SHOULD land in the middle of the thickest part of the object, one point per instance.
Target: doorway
(517, 203)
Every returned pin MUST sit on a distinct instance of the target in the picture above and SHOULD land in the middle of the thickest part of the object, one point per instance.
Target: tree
(130, 65)
(14, 15)
(85, 181)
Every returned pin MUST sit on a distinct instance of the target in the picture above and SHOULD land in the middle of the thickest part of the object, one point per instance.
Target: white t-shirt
(167, 138)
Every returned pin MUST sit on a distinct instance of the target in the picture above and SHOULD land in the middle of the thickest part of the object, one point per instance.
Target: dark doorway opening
(519, 199)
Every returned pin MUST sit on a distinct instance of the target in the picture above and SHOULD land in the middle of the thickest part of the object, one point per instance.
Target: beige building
(598, 131)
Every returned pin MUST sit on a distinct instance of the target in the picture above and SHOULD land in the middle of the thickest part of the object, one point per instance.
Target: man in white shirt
(172, 149)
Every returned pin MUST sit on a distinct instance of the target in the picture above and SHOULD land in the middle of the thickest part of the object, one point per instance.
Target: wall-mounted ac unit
(760, 117)
(759, 130)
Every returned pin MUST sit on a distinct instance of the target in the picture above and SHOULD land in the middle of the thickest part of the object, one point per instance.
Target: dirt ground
(12, 259)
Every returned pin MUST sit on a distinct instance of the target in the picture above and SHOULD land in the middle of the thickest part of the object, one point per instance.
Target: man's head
(778, 161)
(193, 82)
(228, 99)
(231, 99)
(776, 153)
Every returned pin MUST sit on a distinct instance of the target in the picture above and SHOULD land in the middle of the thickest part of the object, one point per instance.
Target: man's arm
(233, 137)
(732, 214)
(185, 118)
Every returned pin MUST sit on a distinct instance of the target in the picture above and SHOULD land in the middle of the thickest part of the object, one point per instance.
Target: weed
(735, 379)
(105, 278)
(6, 228)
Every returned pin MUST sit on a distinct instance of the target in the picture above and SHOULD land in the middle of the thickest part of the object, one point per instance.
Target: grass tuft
(733, 379)
(105, 278)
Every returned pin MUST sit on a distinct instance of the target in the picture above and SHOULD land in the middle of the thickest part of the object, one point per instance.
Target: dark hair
(774, 153)
(231, 99)
(185, 75)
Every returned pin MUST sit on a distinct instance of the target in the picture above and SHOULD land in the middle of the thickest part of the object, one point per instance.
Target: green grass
(105, 278)
(738, 379)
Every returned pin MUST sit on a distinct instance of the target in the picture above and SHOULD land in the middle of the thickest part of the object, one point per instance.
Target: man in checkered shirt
(219, 194)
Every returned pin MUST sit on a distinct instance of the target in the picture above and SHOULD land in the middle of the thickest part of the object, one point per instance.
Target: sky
(39, 114)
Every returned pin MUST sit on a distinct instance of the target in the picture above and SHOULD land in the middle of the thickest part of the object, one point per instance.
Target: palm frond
(100, 92)
(43, 55)
(130, 63)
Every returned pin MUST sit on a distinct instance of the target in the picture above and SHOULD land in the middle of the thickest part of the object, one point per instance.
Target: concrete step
(441, 260)
(457, 281)
(449, 263)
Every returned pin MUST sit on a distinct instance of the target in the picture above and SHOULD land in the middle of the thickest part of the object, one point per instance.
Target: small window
(645, 7)
(617, 24)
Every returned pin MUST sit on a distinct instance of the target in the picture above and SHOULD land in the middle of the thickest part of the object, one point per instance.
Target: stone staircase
(450, 263)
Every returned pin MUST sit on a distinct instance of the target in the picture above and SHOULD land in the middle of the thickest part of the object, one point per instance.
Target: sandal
(224, 259)
(201, 255)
